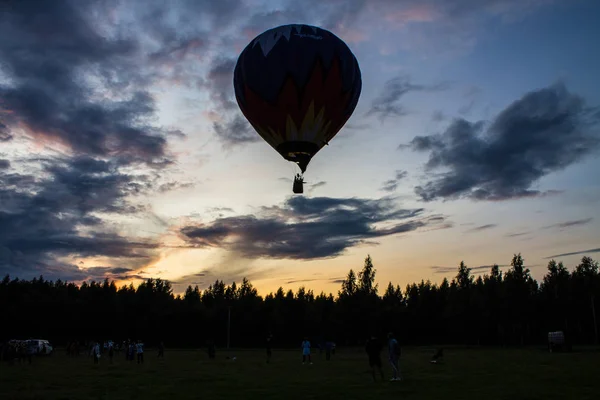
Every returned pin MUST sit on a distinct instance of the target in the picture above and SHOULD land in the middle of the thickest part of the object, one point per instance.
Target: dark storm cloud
(5, 134)
(307, 228)
(546, 130)
(4, 164)
(235, 131)
(343, 15)
(567, 224)
(387, 104)
(101, 273)
(182, 36)
(183, 43)
(60, 74)
(54, 215)
(221, 13)
(482, 228)
(185, 24)
(232, 128)
(263, 20)
(219, 82)
(574, 253)
(340, 16)
(392, 184)
(464, 8)
(176, 50)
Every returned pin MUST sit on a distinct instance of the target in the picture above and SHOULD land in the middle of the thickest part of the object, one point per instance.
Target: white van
(41, 347)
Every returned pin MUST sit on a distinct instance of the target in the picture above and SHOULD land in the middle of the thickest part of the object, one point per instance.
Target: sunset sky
(476, 136)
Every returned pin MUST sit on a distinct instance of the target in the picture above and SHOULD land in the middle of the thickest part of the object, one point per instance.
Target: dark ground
(476, 373)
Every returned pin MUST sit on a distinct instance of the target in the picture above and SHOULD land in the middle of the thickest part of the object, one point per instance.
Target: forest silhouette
(497, 308)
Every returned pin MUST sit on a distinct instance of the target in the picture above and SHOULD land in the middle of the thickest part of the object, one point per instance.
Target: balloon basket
(298, 187)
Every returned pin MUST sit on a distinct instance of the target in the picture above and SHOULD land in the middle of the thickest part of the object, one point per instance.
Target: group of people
(328, 346)
(19, 350)
(132, 350)
(373, 349)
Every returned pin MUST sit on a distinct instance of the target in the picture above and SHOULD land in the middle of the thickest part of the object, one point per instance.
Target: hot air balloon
(297, 85)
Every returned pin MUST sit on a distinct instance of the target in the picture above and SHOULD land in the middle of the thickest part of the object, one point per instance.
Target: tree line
(497, 308)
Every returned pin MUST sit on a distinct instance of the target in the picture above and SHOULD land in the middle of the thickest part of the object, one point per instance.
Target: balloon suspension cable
(293, 168)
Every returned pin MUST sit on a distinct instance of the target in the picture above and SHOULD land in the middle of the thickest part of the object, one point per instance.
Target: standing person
(131, 351)
(373, 349)
(96, 352)
(306, 351)
(394, 355)
(30, 348)
(212, 350)
(111, 351)
(328, 349)
(139, 348)
(161, 350)
(269, 337)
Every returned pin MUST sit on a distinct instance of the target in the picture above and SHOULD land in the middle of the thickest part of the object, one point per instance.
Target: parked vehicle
(41, 347)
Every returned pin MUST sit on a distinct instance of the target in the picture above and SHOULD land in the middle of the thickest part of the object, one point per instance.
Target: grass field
(486, 374)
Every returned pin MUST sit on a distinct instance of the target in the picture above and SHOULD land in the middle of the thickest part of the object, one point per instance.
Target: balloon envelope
(297, 85)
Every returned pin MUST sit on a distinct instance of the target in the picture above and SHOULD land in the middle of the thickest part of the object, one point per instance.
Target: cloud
(181, 43)
(219, 83)
(56, 214)
(5, 134)
(329, 280)
(101, 273)
(231, 127)
(219, 210)
(174, 185)
(438, 116)
(75, 86)
(301, 281)
(517, 234)
(574, 253)
(235, 131)
(312, 187)
(482, 228)
(446, 270)
(392, 184)
(80, 77)
(545, 131)
(230, 269)
(387, 104)
(568, 224)
(352, 126)
(307, 228)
